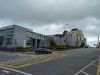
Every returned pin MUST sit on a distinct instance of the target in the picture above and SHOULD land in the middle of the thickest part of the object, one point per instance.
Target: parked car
(42, 51)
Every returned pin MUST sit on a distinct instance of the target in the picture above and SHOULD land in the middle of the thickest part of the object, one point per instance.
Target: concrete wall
(59, 40)
(69, 38)
(19, 36)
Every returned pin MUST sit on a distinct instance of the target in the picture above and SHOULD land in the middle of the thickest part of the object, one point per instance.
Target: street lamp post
(2, 24)
(65, 26)
(64, 36)
(98, 38)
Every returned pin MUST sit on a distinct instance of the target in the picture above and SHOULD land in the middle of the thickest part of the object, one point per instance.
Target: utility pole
(98, 41)
(1, 24)
(98, 38)
(65, 26)
(64, 37)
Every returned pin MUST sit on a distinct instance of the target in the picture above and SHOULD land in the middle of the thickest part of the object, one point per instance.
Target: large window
(7, 31)
(1, 40)
(8, 41)
(10, 31)
(29, 41)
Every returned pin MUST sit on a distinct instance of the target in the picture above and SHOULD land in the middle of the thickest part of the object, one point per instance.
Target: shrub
(62, 46)
(19, 47)
(23, 49)
(29, 47)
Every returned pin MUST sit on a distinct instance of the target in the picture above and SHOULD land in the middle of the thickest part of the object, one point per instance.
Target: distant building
(63, 39)
(17, 36)
(78, 37)
(69, 39)
(59, 40)
(73, 38)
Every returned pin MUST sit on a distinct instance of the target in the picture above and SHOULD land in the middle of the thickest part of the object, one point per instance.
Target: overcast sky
(50, 16)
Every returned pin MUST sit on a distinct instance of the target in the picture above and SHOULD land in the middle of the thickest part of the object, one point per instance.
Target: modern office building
(17, 36)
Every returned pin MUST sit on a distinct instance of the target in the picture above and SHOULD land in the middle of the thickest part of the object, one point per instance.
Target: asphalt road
(75, 62)
(70, 64)
(4, 56)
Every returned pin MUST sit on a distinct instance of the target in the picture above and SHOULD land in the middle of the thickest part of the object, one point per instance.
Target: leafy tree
(82, 45)
(52, 43)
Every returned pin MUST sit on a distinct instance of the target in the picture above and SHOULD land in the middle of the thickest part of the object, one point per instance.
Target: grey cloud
(48, 11)
(82, 14)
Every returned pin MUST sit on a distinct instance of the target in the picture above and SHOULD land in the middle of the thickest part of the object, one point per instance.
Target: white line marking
(85, 73)
(94, 65)
(85, 67)
(5, 71)
(16, 71)
(3, 74)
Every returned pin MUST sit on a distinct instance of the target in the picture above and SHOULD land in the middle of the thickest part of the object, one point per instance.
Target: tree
(82, 45)
(52, 43)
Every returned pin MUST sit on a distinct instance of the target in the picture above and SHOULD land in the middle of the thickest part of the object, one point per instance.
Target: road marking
(85, 73)
(3, 74)
(31, 60)
(5, 71)
(85, 67)
(98, 69)
(16, 71)
(47, 59)
(94, 65)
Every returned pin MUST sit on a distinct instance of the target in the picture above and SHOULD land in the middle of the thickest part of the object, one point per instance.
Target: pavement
(71, 62)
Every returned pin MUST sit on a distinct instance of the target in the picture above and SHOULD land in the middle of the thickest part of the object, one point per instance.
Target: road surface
(74, 62)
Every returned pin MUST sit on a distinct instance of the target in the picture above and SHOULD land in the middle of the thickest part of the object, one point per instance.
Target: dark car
(42, 51)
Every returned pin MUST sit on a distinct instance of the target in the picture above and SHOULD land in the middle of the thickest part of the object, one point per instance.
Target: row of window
(6, 31)
(37, 35)
(8, 41)
(40, 36)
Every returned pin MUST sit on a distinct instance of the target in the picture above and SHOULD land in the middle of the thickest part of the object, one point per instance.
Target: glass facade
(1, 40)
(8, 41)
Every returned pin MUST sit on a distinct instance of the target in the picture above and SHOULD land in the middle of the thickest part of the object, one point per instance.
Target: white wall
(59, 41)
(70, 40)
(78, 37)
(19, 36)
